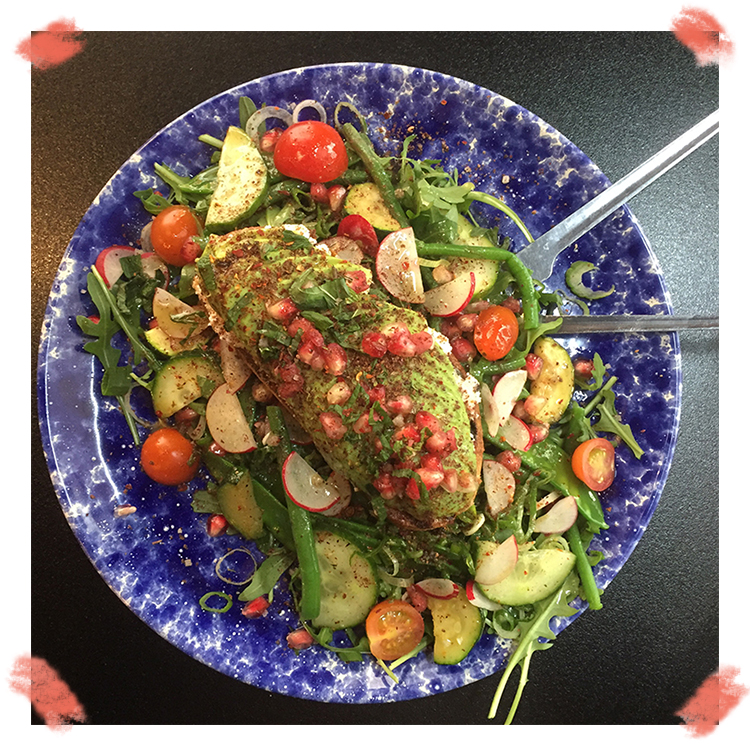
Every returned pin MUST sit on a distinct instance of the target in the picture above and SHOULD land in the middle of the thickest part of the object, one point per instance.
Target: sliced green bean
(362, 145)
(302, 530)
(529, 298)
(590, 588)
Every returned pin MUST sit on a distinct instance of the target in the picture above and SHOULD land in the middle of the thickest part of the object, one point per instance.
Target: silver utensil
(629, 323)
(540, 255)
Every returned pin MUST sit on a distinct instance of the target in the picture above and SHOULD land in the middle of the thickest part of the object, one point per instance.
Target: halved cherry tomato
(495, 332)
(169, 458)
(311, 151)
(594, 463)
(394, 628)
(171, 228)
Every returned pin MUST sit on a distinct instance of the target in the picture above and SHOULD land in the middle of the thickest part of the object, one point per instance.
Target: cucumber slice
(182, 380)
(485, 271)
(348, 588)
(238, 505)
(241, 183)
(367, 201)
(537, 575)
(169, 346)
(457, 625)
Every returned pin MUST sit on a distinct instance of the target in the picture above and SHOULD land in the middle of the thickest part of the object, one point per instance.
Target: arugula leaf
(532, 631)
(267, 575)
(609, 422)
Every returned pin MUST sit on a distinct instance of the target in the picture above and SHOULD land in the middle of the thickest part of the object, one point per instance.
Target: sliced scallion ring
(314, 104)
(574, 280)
(227, 602)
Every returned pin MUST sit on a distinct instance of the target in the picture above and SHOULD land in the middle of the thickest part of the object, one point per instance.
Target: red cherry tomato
(311, 151)
(169, 458)
(593, 462)
(495, 332)
(359, 229)
(170, 230)
(394, 628)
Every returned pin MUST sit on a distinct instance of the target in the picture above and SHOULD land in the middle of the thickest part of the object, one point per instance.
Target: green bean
(361, 144)
(302, 530)
(591, 590)
(529, 298)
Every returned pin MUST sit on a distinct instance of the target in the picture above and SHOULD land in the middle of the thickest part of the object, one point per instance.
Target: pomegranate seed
(450, 481)
(376, 394)
(422, 341)
(466, 321)
(430, 478)
(335, 359)
(336, 195)
(583, 368)
(432, 462)
(534, 403)
(374, 344)
(319, 193)
(408, 433)
(400, 343)
(427, 420)
(466, 481)
(412, 490)
(190, 251)
(463, 349)
(416, 598)
(539, 431)
(256, 608)
(357, 281)
(534, 365)
(284, 310)
(512, 304)
(333, 425)
(442, 274)
(267, 141)
(339, 393)
(308, 353)
(309, 331)
(519, 410)
(299, 640)
(449, 329)
(510, 460)
(401, 405)
(362, 423)
(216, 525)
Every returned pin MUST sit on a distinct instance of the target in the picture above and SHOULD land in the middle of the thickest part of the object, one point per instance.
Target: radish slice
(165, 307)
(516, 433)
(490, 411)
(235, 369)
(305, 487)
(345, 489)
(450, 298)
(550, 498)
(499, 485)
(108, 262)
(560, 517)
(506, 393)
(397, 266)
(227, 422)
(440, 588)
(476, 597)
(495, 561)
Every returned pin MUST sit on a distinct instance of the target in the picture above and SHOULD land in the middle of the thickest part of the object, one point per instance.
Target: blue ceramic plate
(159, 560)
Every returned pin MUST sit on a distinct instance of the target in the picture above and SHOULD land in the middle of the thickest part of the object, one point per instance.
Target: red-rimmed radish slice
(397, 266)
(305, 487)
(108, 262)
(439, 588)
(490, 412)
(550, 498)
(499, 485)
(359, 229)
(495, 561)
(227, 422)
(234, 367)
(506, 393)
(165, 307)
(516, 433)
(345, 490)
(450, 298)
(475, 596)
(560, 517)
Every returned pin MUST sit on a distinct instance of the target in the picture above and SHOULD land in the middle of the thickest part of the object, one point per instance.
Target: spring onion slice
(227, 602)
(574, 281)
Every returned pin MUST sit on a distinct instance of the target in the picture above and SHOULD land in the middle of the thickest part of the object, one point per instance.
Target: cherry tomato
(359, 229)
(169, 458)
(170, 230)
(311, 151)
(495, 332)
(394, 628)
(594, 463)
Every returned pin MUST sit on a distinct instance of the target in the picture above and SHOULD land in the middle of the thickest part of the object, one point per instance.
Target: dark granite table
(619, 97)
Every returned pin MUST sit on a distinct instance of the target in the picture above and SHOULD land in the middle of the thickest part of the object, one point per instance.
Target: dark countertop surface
(619, 97)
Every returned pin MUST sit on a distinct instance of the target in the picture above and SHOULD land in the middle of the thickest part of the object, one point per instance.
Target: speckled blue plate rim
(161, 561)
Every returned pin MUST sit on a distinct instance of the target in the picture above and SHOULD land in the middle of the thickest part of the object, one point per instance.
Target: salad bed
(482, 375)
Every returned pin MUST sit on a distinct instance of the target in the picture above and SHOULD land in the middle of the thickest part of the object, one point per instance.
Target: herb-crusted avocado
(386, 405)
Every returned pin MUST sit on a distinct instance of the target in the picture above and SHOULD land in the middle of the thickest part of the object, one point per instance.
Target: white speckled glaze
(159, 560)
